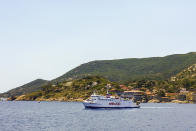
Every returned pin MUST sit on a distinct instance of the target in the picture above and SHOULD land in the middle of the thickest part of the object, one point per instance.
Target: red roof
(124, 87)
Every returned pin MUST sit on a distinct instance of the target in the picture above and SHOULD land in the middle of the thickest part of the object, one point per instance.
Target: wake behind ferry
(108, 101)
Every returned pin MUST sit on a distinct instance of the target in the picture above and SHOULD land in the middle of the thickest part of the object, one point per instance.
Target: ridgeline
(155, 68)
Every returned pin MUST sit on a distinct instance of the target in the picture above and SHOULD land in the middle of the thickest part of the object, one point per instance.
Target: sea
(72, 116)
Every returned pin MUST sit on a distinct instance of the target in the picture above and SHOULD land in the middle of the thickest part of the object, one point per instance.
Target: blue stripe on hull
(110, 107)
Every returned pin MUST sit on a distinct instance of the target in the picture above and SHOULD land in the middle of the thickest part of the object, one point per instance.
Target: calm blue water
(63, 116)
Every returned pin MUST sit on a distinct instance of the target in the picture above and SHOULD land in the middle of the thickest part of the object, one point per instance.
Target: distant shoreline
(174, 101)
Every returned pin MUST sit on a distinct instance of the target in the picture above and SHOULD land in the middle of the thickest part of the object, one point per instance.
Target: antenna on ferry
(94, 92)
(108, 86)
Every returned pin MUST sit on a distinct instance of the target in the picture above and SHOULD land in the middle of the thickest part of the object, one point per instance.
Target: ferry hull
(96, 106)
(91, 107)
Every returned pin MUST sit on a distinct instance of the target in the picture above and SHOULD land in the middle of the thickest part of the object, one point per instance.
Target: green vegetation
(183, 80)
(80, 89)
(72, 90)
(27, 88)
(155, 68)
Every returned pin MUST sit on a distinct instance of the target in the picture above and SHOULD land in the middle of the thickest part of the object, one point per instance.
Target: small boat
(108, 101)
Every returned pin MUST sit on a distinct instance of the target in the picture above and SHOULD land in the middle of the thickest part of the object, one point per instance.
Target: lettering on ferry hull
(113, 103)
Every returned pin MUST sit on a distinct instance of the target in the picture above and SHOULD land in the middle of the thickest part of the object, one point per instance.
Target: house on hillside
(165, 99)
(125, 88)
(131, 93)
(183, 95)
(119, 93)
(150, 95)
(136, 95)
(183, 91)
(173, 79)
(94, 83)
(171, 96)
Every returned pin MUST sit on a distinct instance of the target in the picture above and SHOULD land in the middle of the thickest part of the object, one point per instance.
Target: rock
(154, 101)
(20, 98)
(79, 100)
(180, 102)
(69, 83)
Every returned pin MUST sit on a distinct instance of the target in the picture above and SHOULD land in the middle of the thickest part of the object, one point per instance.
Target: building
(125, 88)
(182, 97)
(136, 95)
(150, 95)
(171, 96)
(165, 99)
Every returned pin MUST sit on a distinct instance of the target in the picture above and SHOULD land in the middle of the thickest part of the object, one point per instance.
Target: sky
(47, 38)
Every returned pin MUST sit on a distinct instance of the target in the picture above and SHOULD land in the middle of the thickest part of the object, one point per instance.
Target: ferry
(108, 101)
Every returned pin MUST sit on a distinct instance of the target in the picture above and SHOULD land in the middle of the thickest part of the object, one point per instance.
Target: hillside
(75, 90)
(80, 89)
(189, 73)
(186, 78)
(155, 68)
(145, 71)
(27, 88)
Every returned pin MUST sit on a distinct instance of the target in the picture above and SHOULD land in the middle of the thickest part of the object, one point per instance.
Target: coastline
(81, 100)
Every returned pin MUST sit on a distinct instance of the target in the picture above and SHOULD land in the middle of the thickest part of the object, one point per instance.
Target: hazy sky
(47, 38)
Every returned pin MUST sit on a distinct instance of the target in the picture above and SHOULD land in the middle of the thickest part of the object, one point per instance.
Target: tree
(160, 93)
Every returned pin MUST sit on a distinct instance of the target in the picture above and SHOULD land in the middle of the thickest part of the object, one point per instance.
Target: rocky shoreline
(173, 101)
(62, 99)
